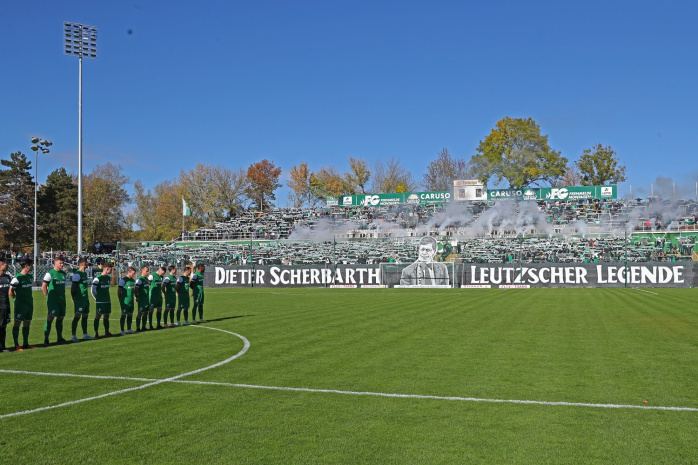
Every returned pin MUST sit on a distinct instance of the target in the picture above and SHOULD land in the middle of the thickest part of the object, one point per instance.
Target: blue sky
(234, 82)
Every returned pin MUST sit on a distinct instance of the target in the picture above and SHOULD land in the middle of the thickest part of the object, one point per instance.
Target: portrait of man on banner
(425, 271)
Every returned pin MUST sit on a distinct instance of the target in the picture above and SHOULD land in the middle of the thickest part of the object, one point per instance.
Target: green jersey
(83, 282)
(100, 289)
(22, 288)
(169, 283)
(183, 292)
(126, 285)
(155, 289)
(56, 287)
(142, 292)
(197, 283)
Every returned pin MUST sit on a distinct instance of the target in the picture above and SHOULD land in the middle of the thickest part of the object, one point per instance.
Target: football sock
(179, 313)
(25, 335)
(201, 311)
(122, 321)
(84, 325)
(3, 336)
(74, 324)
(106, 325)
(15, 334)
(138, 322)
(186, 314)
(159, 316)
(59, 328)
(150, 319)
(47, 328)
(96, 326)
(129, 320)
(172, 316)
(193, 312)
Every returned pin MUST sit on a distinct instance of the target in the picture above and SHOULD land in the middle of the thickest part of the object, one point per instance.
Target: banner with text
(555, 193)
(656, 274)
(386, 200)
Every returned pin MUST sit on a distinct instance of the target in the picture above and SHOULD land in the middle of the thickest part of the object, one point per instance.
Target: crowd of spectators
(596, 216)
(648, 230)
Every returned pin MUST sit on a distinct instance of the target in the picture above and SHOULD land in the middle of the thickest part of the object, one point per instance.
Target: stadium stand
(634, 230)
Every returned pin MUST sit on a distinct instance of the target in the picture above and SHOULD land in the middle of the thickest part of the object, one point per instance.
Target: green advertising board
(555, 193)
(386, 200)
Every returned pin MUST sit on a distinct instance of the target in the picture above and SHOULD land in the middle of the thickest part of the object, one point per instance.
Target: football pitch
(369, 376)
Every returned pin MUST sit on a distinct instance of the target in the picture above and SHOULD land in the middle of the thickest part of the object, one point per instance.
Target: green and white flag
(186, 211)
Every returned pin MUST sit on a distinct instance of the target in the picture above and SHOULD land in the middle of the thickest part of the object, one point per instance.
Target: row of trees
(104, 199)
(515, 152)
(213, 192)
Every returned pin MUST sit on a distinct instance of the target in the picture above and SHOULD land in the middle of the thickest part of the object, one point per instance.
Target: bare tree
(392, 176)
(442, 171)
(570, 178)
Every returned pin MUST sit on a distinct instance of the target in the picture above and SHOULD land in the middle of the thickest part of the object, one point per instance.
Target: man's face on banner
(426, 253)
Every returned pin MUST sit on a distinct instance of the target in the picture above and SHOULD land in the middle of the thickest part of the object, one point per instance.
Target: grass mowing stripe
(154, 383)
(75, 375)
(351, 393)
(582, 346)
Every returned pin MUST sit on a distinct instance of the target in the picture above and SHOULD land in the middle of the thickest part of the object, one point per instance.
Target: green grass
(591, 346)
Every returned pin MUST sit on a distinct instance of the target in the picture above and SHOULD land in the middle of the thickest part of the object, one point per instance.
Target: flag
(186, 211)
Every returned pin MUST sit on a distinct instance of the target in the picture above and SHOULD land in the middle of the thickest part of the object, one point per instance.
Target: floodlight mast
(80, 40)
(40, 145)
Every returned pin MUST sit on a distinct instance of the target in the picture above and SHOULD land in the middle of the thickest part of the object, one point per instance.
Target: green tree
(58, 211)
(16, 203)
(104, 199)
(263, 178)
(515, 150)
(599, 165)
(444, 170)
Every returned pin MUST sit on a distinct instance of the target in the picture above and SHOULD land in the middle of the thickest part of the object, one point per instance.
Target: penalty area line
(352, 393)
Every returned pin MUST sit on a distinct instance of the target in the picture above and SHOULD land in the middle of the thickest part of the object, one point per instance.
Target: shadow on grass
(228, 318)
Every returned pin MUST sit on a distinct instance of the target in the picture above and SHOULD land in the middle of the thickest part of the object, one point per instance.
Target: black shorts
(5, 316)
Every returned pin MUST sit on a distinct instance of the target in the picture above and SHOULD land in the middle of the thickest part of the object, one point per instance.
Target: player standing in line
(53, 288)
(182, 289)
(125, 293)
(21, 292)
(168, 288)
(5, 312)
(100, 292)
(156, 296)
(81, 302)
(141, 293)
(197, 292)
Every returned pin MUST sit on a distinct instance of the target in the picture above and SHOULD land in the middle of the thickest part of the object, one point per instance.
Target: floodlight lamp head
(35, 140)
(35, 148)
(43, 150)
(42, 141)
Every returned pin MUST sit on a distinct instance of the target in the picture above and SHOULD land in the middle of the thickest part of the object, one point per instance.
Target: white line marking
(153, 383)
(368, 393)
(642, 290)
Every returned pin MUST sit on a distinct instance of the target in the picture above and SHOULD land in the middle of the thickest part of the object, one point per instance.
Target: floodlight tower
(80, 41)
(39, 145)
